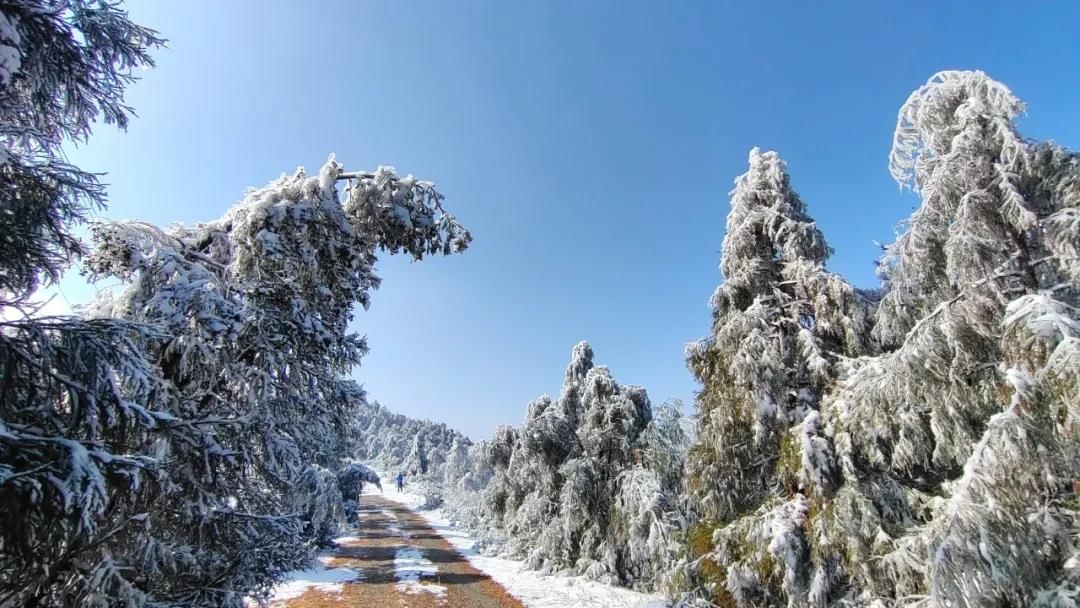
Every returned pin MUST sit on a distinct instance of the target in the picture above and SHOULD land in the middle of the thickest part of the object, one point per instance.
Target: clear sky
(588, 145)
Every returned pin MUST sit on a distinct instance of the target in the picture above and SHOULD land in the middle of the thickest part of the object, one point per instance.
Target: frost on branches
(574, 488)
(966, 421)
(935, 461)
(176, 446)
(781, 323)
(433, 457)
(255, 310)
(84, 414)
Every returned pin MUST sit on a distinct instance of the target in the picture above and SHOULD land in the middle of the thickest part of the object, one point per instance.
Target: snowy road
(395, 560)
(403, 558)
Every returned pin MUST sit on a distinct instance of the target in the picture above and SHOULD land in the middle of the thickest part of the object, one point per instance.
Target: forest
(179, 440)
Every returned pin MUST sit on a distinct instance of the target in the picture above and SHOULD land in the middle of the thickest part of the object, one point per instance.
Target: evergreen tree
(665, 443)
(958, 446)
(569, 490)
(940, 470)
(84, 416)
(780, 324)
(63, 65)
(416, 462)
(255, 309)
(387, 440)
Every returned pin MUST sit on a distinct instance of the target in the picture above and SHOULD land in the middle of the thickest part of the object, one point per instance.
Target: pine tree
(958, 446)
(569, 490)
(255, 309)
(85, 419)
(780, 324)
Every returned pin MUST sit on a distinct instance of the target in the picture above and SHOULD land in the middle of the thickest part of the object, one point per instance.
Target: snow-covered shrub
(433, 499)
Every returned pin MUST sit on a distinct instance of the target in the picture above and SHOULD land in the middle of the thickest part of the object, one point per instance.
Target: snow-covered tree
(83, 413)
(352, 477)
(941, 469)
(956, 143)
(416, 463)
(665, 444)
(571, 489)
(957, 445)
(457, 462)
(171, 449)
(255, 308)
(467, 474)
(392, 442)
(63, 65)
(780, 324)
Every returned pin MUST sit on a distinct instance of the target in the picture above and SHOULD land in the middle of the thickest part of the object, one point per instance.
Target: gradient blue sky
(588, 145)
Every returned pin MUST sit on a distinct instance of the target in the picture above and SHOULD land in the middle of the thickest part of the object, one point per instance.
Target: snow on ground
(409, 566)
(320, 578)
(535, 590)
(393, 528)
(406, 498)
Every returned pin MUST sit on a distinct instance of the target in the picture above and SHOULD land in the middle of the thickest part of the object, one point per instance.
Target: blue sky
(589, 146)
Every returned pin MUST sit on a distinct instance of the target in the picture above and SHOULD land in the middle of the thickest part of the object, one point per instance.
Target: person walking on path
(400, 482)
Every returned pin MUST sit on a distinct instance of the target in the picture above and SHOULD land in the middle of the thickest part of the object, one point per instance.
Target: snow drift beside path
(537, 590)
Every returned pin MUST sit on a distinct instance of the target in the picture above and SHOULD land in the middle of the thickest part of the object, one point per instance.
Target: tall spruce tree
(570, 491)
(940, 471)
(958, 446)
(86, 419)
(780, 323)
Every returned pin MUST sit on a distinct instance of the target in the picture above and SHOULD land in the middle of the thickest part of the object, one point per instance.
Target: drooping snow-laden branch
(255, 308)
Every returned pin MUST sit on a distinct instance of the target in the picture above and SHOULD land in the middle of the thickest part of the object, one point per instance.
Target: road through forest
(400, 561)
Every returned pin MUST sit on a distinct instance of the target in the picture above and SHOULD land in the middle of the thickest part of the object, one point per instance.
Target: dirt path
(403, 563)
